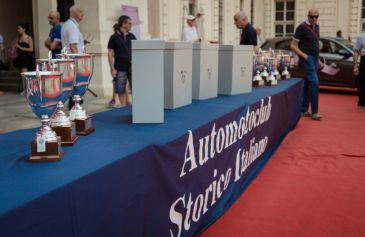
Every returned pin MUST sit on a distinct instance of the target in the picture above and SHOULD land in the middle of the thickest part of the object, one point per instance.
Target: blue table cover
(139, 179)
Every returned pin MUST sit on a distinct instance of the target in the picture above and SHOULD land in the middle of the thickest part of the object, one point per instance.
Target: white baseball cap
(191, 17)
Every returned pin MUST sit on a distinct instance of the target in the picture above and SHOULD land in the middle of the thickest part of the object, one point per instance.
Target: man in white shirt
(190, 33)
(71, 35)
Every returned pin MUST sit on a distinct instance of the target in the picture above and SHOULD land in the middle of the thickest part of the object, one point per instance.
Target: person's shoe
(316, 116)
(112, 103)
(306, 114)
(360, 108)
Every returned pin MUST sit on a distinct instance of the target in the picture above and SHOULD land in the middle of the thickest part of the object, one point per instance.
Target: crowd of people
(305, 44)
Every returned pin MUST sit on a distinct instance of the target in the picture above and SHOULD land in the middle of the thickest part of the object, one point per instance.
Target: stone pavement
(15, 112)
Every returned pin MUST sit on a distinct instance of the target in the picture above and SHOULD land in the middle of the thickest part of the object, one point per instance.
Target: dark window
(191, 7)
(284, 17)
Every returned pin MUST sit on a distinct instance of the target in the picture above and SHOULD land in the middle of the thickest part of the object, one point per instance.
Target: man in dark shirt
(120, 57)
(305, 43)
(248, 35)
(53, 41)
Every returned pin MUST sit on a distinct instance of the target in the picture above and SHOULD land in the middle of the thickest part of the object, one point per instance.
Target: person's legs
(312, 77)
(129, 76)
(120, 87)
(112, 101)
(311, 67)
(361, 84)
(129, 88)
(21, 83)
(305, 102)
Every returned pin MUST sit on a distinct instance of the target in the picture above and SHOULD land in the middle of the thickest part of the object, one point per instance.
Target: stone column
(41, 26)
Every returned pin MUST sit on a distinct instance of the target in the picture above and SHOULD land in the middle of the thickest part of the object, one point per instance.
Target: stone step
(9, 80)
(9, 87)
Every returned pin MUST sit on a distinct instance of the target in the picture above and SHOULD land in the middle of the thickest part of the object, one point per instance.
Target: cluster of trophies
(47, 89)
(267, 65)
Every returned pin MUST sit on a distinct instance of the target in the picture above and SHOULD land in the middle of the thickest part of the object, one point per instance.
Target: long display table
(170, 179)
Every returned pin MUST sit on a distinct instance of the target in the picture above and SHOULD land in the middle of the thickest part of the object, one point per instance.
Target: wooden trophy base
(54, 152)
(271, 83)
(258, 83)
(67, 134)
(84, 127)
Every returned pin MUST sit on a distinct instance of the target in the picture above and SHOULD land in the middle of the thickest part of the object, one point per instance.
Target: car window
(285, 44)
(347, 43)
(325, 46)
(336, 47)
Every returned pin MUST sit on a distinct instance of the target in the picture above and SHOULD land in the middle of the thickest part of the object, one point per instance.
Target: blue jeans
(120, 82)
(311, 90)
(361, 86)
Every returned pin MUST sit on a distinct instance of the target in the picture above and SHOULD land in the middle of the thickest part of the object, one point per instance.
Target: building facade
(165, 19)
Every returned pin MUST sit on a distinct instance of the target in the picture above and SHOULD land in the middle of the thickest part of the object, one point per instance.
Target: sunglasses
(313, 17)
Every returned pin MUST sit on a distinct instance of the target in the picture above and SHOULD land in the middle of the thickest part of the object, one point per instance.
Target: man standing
(53, 41)
(248, 35)
(71, 35)
(120, 57)
(190, 34)
(359, 50)
(305, 44)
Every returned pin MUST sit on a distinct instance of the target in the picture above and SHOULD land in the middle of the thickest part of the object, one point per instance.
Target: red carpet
(313, 186)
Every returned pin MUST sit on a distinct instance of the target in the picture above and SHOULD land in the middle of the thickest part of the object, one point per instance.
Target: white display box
(235, 69)
(205, 71)
(178, 74)
(148, 81)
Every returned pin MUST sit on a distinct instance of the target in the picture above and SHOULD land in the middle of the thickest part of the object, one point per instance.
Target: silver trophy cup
(84, 70)
(61, 123)
(43, 92)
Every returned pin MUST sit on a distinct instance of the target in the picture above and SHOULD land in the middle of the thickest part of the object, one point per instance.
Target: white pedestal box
(235, 69)
(178, 74)
(148, 81)
(205, 71)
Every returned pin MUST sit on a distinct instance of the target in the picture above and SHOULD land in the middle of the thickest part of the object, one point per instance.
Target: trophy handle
(39, 80)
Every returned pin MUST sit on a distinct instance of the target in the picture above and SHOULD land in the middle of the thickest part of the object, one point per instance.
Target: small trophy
(257, 79)
(84, 70)
(271, 80)
(61, 123)
(264, 74)
(286, 59)
(43, 91)
(276, 65)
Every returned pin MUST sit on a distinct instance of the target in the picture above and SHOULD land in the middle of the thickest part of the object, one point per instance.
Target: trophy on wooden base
(276, 64)
(257, 80)
(84, 123)
(286, 58)
(84, 70)
(43, 91)
(271, 80)
(258, 64)
(61, 123)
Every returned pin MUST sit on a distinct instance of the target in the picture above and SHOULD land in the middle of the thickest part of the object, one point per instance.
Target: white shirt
(360, 44)
(190, 34)
(71, 34)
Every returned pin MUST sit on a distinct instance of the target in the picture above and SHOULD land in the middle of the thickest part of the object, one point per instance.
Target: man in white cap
(190, 33)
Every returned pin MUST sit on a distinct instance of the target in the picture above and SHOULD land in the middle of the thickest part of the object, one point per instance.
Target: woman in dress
(24, 61)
